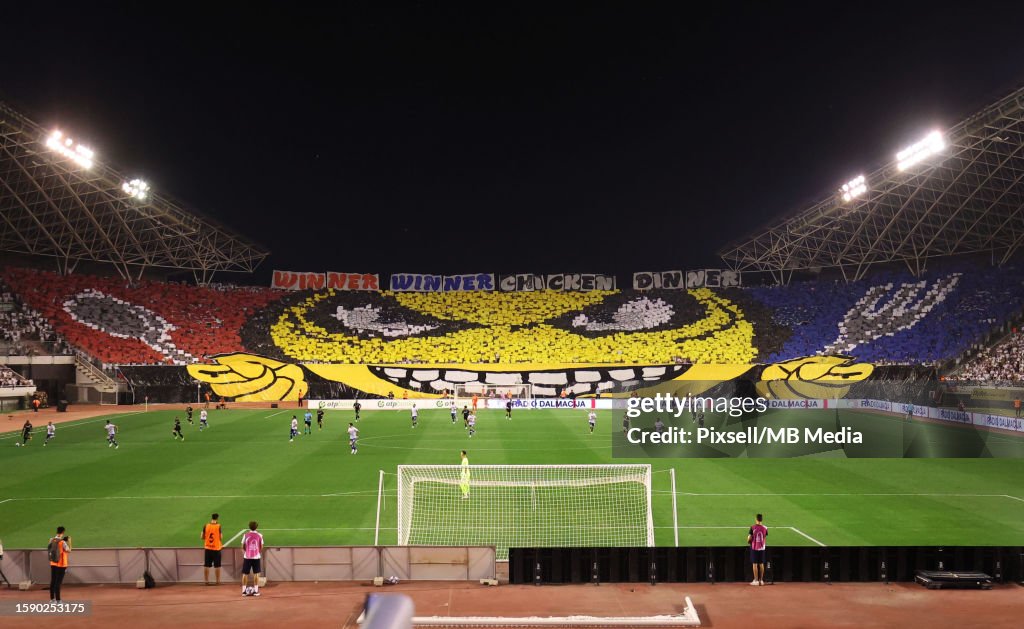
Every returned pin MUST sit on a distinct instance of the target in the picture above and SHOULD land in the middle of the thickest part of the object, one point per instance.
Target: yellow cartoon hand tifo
(812, 377)
(251, 378)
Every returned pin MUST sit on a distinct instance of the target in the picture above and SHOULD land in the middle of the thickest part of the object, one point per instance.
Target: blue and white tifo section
(894, 317)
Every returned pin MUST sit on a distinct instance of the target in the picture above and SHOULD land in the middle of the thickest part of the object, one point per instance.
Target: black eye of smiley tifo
(620, 313)
(372, 315)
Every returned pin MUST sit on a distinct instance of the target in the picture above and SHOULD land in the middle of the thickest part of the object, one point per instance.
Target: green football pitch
(155, 491)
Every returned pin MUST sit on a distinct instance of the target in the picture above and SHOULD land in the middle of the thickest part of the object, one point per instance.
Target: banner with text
(712, 278)
(520, 282)
(427, 283)
(670, 280)
(293, 280)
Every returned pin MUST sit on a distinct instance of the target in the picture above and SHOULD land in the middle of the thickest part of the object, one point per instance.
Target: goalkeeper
(464, 476)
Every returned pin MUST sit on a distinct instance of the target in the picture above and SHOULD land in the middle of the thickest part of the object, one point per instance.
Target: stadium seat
(146, 323)
(890, 317)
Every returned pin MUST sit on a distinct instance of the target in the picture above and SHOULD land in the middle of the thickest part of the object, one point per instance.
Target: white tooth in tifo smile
(622, 374)
(549, 377)
(602, 386)
(579, 388)
(544, 391)
(425, 374)
(587, 376)
(461, 376)
(494, 377)
(392, 372)
(442, 385)
(651, 373)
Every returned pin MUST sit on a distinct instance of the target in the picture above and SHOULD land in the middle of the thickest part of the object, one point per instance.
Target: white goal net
(525, 506)
(465, 392)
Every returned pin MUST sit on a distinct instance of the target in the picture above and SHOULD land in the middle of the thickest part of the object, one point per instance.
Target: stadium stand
(11, 378)
(511, 328)
(146, 323)
(889, 318)
(1003, 363)
(24, 331)
(894, 318)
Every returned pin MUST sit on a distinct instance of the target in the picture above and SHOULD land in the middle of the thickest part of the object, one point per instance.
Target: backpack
(53, 550)
(147, 578)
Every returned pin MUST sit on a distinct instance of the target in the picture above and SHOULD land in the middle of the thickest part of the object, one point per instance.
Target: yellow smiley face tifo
(422, 344)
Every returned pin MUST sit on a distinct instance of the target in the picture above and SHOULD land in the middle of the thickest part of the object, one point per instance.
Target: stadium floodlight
(853, 188)
(136, 188)
(78, 153)
(924, 148)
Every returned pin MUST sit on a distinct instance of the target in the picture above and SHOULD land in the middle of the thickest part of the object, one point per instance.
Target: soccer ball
(249, 590)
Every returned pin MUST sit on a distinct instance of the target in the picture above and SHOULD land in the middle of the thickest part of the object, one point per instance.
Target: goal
(525, 506)
(465, 392)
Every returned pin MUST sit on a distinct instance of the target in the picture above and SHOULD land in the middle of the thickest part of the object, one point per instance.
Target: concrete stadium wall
(280, 563)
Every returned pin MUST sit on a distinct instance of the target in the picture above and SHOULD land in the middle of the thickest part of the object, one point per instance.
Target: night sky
(550, 137)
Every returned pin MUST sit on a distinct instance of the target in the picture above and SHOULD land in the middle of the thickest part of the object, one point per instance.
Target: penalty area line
(847, 495)
(336, 528)
(367, 493)
(801, 533)
(237, 535)
(717, 528)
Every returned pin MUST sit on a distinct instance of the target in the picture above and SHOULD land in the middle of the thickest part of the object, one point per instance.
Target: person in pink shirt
(252, 551)
(757, 537)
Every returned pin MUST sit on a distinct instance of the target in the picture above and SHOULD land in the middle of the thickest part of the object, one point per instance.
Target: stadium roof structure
(51, 205)
(966, 199)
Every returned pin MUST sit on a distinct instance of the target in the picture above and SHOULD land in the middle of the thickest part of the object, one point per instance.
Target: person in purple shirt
(756, 537)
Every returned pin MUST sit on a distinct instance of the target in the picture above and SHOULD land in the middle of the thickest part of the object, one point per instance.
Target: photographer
(58, 551)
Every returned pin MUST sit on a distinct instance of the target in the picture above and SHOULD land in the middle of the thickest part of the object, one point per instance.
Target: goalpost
(525, 506)
(464, 392)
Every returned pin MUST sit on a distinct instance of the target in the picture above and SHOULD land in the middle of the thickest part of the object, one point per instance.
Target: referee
(213, 542)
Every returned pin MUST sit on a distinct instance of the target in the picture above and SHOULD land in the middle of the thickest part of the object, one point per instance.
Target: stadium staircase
(104, 389)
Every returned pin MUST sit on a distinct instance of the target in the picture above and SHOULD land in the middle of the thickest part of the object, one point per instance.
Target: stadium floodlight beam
(136, 188)
(920, 150)
(79, 154)
(853, 188)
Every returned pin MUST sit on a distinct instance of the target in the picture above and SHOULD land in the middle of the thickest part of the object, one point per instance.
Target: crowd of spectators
(599, 327)
(11, 378)
(1003, 363)
(23, 330)
(894, 318)
(146, 322)
(888, 318)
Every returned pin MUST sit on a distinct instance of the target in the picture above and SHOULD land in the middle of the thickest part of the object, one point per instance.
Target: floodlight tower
(67, 147)
(920, 150)
(136, 189)
(853, 189)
